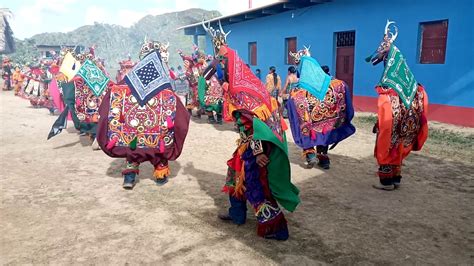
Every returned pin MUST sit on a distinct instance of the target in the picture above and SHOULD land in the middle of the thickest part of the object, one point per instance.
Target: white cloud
(29, 18)
(57, 6)
(36, 16)
(228, 7)
(185, 4)
(96, 14)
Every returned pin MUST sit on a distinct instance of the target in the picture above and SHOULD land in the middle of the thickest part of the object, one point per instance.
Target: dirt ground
(62, 203)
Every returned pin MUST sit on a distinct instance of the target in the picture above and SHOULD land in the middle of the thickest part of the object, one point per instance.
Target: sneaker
(161, 181)
(211, 120)
(280, 235)
(384, 187)
(311, 163)
(324, 164)
(224, 217)
(129, 180)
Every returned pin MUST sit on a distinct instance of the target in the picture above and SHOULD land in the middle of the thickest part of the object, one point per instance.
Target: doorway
(345, 43)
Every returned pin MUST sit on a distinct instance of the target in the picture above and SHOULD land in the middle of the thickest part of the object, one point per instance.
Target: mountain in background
(114, 43)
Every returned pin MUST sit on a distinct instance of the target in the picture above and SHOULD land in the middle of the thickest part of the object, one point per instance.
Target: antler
(394, 36)
(387, 30)
(222, 30)
(208, 29)
(306, 49)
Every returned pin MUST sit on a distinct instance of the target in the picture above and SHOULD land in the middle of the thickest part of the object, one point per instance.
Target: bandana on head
(243, 80)
(70, 66)
(148, 78)
(313, 78)
(398, 76)
(94, 77)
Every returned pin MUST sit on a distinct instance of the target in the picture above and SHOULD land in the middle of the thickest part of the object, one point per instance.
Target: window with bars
(345, 39)
(252, 53)
(290, 46)
(433, 38)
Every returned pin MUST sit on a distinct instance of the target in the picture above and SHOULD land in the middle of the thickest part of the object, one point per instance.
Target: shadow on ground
(342, 220)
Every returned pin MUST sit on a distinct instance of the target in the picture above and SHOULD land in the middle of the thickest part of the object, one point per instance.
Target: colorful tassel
(161, 172)
(122, 118)
(169, 122)
(306, 116)
(162, 146)
(133, 144)
(313, 134)
(112, 143)
(240, 178)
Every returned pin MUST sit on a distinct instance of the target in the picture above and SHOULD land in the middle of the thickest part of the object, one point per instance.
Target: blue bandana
(148, 78)
(95, 79)
(313, 78)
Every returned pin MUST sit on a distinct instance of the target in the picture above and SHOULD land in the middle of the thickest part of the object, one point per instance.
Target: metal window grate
(345, 39)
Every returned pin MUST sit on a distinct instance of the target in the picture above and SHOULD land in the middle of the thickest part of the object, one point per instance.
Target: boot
(161, 181)
(384, 187)
(323, 161)
(129, 180)
(219, 119)
(211, 119)
(311, 160)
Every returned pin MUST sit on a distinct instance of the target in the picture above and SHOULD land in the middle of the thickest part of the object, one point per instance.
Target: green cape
(202, 88)
(69, 97)
(279, 172)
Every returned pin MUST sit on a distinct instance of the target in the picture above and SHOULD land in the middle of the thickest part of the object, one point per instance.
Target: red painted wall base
(461, 116)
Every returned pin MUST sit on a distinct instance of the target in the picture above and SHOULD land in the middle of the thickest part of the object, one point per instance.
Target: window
(253, 53)
(290, 46)
(345, 39)
(433, 36)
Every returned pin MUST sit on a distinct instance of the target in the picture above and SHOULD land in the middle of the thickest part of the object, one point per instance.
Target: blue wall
(451, 83)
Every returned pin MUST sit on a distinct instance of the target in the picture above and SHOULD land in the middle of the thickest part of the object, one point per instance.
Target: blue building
(435, 36)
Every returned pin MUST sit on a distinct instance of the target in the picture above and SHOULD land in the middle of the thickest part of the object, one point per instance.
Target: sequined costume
(402, 124)
(262, 134)
(143, 119)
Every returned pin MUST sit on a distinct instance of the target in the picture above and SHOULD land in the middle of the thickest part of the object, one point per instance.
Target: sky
(31, 17)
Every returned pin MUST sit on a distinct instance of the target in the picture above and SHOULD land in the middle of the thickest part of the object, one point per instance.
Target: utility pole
(250, 4)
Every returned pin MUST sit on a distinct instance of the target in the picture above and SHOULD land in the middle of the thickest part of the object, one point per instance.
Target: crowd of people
(144, 115)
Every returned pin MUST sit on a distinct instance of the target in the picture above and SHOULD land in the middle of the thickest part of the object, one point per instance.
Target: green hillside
(114, 42)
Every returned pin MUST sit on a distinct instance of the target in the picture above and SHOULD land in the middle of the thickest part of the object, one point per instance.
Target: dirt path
(62, 203)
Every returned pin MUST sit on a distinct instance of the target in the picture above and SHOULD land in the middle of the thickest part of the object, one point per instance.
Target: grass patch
(366, 120)
(448, 137)
(436, 136)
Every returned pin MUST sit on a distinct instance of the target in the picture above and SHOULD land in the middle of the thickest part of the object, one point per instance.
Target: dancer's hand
(262, 160)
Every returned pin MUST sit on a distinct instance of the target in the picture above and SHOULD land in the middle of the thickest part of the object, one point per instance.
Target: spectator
(273, 83)
(258, 73)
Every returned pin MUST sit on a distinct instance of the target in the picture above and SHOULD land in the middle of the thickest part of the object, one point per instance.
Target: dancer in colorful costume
(144, 120)
(402, 124)
(211, 96)
(259, 170)
(125, 67)
(17, 80)
(181, 85)
(39, 78)
(194, 66)
(83, 93)
(319, 109)
(6, 73)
